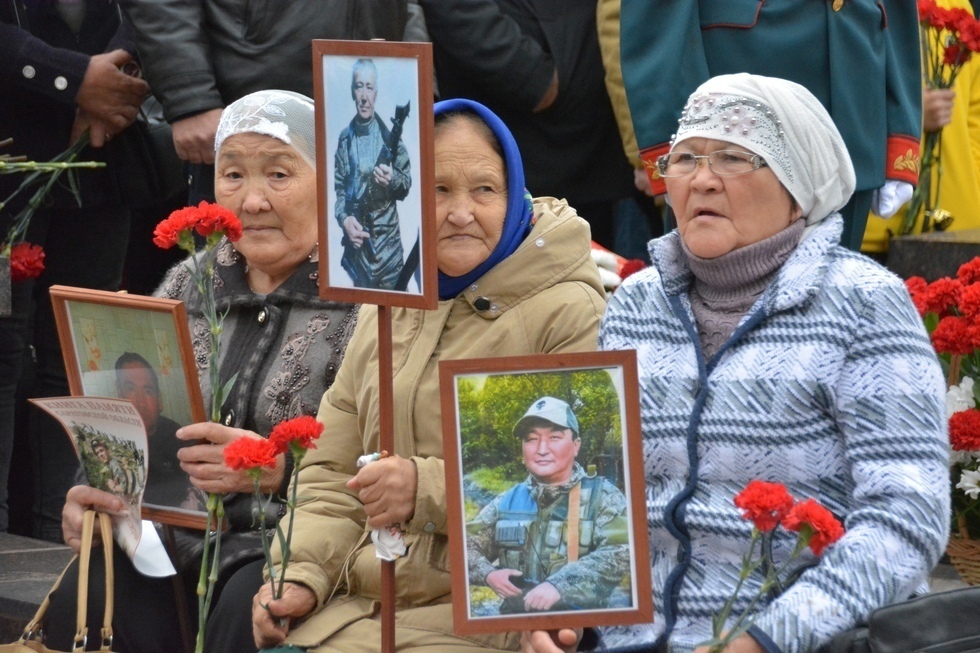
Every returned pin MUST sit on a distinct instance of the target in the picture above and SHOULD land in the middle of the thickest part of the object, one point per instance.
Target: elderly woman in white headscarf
(282, 344)
(767, 351)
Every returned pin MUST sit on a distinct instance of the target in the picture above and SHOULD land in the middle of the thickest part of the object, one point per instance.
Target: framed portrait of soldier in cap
(545, 492)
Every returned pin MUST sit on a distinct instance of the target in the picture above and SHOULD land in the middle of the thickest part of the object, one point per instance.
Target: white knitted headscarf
(283, 115)
(786, 125)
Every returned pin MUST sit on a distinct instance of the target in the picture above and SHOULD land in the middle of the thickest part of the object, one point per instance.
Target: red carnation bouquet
(950, 309)
(214, 223)
(949, 37)
(768, 506)
(297, 436)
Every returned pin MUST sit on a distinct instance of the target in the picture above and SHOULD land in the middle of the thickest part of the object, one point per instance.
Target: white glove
(890, 197)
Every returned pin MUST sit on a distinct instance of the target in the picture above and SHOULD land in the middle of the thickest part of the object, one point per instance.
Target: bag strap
(83, 557)
(34, 625)
(110, 580)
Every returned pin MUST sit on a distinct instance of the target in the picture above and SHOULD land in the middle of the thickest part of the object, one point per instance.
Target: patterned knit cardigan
(830, 386)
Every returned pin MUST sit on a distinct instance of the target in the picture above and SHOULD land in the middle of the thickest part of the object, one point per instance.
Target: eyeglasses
(722, 162)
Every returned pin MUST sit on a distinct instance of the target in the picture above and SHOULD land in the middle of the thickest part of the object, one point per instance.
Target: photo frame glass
(139, 349)
(374, 150)
(545, 492)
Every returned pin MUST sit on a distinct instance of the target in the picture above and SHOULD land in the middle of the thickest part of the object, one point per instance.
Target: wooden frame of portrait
(402, 96)
(490, 396)
(96, 327)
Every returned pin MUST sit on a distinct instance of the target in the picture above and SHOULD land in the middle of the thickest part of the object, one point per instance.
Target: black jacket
(205, 54)
(503, 53)
(42, 64)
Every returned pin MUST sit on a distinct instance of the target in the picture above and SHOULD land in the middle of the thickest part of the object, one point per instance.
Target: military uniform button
(29, 72)
(60, 83)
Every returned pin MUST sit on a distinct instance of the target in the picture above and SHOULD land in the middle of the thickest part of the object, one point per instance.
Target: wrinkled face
(549, 453)
(471, 197)
(365, 91)
(102, 453)
(272, 190)
(716, 215)
(136, 383)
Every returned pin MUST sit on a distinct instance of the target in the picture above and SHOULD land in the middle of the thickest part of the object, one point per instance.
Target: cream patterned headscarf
(283, 115)
(785, 124)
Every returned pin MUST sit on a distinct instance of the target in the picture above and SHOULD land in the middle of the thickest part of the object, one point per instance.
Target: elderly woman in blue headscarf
(515, 278)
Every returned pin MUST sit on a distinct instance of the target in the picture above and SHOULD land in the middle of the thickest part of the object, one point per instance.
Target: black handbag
(943, 622)
(142, 161)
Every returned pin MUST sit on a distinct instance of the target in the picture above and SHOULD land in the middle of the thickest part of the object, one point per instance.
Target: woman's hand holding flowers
(205, 463)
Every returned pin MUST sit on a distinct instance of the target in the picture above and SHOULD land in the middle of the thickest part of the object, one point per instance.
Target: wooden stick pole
(387, 443)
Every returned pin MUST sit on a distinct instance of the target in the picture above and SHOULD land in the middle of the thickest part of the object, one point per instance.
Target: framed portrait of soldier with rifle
(375, 170)
(545, 494)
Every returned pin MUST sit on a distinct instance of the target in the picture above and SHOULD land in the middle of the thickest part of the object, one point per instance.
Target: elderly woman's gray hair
(283, 115)
(785, 124)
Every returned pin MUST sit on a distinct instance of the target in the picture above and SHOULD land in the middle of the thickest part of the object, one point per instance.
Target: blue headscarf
(517, 223)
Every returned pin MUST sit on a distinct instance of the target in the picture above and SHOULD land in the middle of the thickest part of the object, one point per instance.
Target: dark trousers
(145, 618)
(13, 345)
(144, 610)
(83, 247)
(230, 624)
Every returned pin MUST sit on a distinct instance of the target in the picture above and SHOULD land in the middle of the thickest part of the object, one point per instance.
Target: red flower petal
(969, 272)
(764, 504)
(300, 431)
(250, 453)
(825, 529)
(942, 294)
(26, 261)
(952, 336)
(964, 430)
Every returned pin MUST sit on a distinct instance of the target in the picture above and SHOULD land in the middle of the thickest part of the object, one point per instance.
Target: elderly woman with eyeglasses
(768, 351)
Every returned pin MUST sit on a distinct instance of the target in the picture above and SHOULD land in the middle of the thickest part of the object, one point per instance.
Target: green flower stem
(54, 169)
(298, 453)
(204, 584)
(721, 618)
(266, 547)
(771, 580)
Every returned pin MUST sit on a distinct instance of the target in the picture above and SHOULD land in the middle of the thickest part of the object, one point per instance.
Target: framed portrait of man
(545, 492)
(375, 172)
(138, 349)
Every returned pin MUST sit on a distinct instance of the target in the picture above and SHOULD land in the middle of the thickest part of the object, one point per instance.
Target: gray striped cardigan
(828, 385)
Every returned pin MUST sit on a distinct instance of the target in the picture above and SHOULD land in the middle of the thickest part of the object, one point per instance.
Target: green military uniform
(860, 58)
(526, 528)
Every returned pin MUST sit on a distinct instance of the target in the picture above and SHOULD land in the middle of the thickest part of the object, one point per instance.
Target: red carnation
(816, 523)
(213, 218)
(299, 431)
(926, 9)
(942, 294)
(969, 305)
(952, 336)
(764, 504)
(250, 453)
(26, 261)
(956, 54)
(969, 272)
(205, 218)
(168, 231)
(964, 430)
(916, 285)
